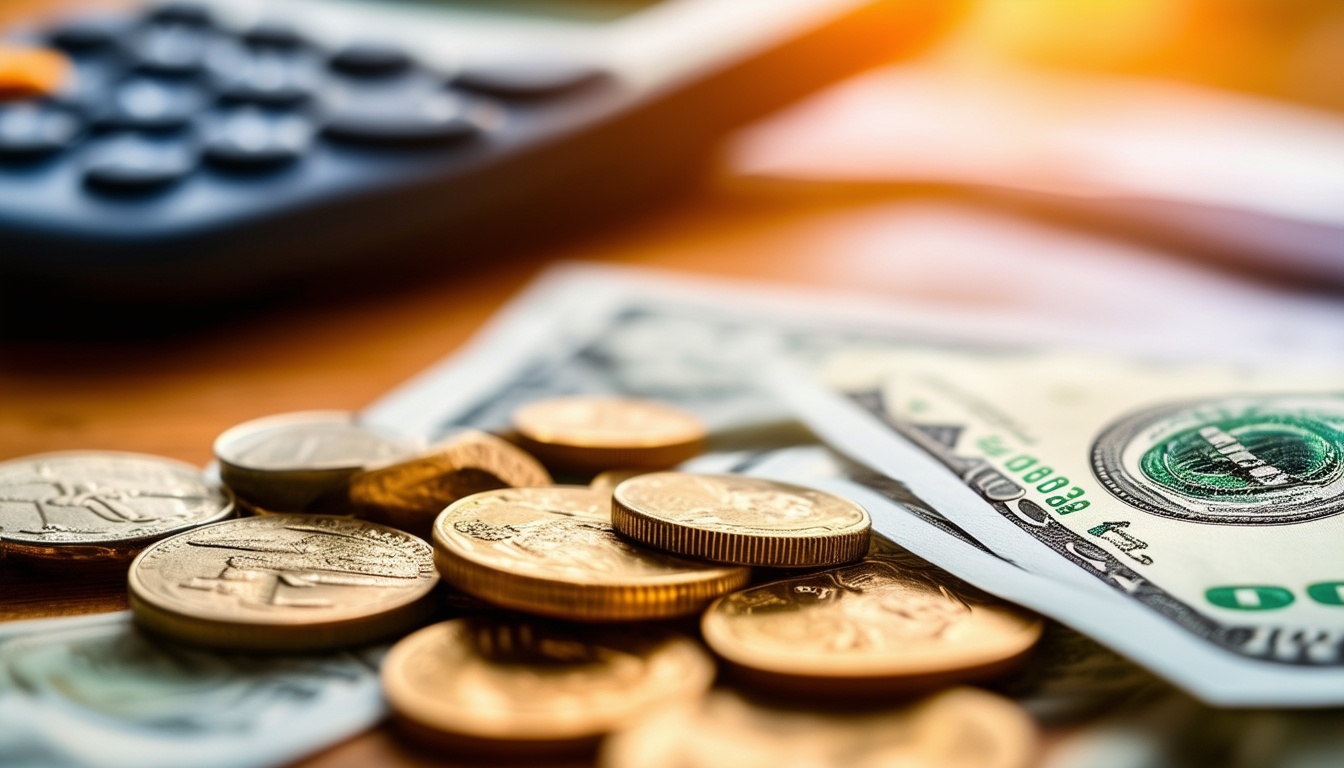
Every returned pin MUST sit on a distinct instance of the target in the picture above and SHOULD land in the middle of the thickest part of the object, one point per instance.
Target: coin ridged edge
(280, 638)
(599, 457)
(931, 668)
(584, 602)
(740, 548)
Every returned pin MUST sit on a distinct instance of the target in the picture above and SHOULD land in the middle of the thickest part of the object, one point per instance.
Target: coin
(100, 506)
(607, 481)
(530, 686)
(958, 728)
(552, 551)
(742, 520)
(283, 583)
(409, 494)
(596, 433)
(890, 623)
(289, 462)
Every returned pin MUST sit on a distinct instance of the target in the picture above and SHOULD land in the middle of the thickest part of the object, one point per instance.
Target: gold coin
(742, 520)
(587, 434)
(283, 583)
(892, 622)
(552, 551)
(606, 482)
(410, 494)
(531, 686)
(290, 462)
(958, 728)
(100, 506)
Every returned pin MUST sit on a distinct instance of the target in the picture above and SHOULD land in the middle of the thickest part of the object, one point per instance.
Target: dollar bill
(91, 690)
(1209, 495)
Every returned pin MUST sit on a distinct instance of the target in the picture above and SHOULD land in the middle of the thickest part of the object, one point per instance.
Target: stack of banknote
(649, 521)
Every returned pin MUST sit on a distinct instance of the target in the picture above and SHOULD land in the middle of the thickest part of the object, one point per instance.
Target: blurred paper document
(1248, 179)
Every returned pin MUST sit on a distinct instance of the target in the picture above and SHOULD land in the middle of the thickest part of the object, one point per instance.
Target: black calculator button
(89, 33)
(370, 60)
(527, 77)
(152, 105)
(252, 138)
(183, 13)
(411, 117)
(170, 49)
(274, 35)
(33, 128)
(137, 163)
(264, 76)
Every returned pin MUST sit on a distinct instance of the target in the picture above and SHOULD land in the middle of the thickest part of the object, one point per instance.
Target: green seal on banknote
(1264, 460)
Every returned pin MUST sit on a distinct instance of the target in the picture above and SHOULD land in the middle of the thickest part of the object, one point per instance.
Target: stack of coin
(552, 552)
(596, 569)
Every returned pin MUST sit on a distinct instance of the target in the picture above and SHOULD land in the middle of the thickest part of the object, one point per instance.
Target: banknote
(1208, 494)
(91, 690)
(704, 346)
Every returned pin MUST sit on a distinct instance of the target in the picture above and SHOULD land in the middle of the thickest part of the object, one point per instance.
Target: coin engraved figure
(314, 559)
(283, 582)
(117, 501)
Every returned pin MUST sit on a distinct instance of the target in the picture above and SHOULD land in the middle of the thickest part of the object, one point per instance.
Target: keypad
(156, 97)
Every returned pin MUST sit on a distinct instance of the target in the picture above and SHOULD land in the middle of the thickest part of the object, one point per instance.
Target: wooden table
(171, 395)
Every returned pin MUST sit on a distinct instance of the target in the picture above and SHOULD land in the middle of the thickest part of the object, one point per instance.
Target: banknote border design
(1248, 641)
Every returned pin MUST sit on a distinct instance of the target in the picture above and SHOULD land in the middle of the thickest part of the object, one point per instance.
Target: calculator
(216, 148)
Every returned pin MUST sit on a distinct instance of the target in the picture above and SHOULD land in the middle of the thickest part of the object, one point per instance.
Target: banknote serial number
(1030, 471)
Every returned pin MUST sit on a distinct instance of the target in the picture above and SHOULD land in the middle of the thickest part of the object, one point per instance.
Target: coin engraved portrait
(94, 496)
(892, 607)
(873, 606)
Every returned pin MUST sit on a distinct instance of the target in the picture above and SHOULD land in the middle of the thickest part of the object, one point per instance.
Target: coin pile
(552, 599)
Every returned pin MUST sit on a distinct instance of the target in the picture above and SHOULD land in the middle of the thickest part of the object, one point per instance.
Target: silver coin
(100, 505)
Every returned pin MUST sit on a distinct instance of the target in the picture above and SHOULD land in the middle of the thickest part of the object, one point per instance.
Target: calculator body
(221, 147)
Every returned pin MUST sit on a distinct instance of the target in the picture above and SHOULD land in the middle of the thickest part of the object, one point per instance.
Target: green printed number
(1040, 476)
(1249, 598)
(1327, 592)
